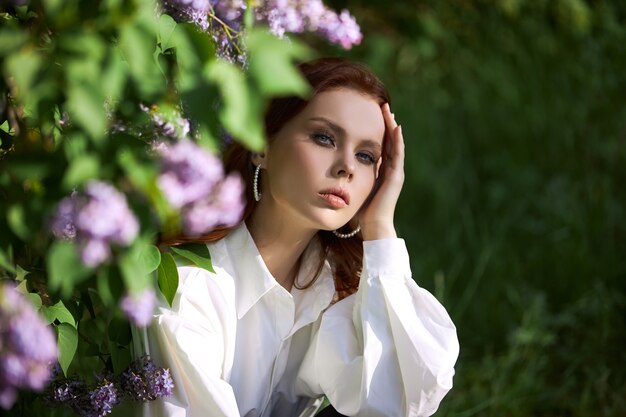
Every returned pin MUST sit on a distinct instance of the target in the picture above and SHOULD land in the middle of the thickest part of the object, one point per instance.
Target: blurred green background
(514, 208)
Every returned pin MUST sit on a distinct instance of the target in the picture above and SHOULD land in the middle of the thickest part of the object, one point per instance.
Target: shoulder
(203, 293)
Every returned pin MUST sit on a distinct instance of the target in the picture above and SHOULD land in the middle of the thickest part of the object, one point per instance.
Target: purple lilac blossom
(139, 308)
(284, 16)
(230, 199)
(224, 207)
(171, 124)
(195, 11)
(102, 399)
(134, 385)
(96, 219)
(230, 10)
(105, 215)
(67, 391)
(188, 173)
(160, 384)
(94, 252)
(27, 346)
(201, 217)
(143, 381)
(341, 29)
(63, 223)
(222, 20)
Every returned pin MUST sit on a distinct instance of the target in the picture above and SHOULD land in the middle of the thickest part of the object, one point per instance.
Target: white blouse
(238, 344)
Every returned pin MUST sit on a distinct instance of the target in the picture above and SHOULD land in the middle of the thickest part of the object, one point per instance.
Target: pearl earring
(255, 184)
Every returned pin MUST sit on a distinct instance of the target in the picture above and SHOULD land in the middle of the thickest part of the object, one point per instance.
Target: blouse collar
(253, 280)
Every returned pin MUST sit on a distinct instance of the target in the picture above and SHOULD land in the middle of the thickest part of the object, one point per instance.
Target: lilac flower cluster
(168, 123)
(27, 346)
(219, 18)
(193, 181)
(96, 219)
(222, 19)
(299, 16)
(75, 394)
(138, 309)
(103, 398)
(142, 381)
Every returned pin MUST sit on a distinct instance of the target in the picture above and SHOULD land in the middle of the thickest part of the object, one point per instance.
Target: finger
(390, 121)
(390, 125)
(395, 157)
(399, 148)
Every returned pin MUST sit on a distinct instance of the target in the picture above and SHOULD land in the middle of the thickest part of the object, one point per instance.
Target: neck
(280, 242)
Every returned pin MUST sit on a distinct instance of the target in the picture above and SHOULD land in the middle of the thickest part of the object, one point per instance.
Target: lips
(337, 197)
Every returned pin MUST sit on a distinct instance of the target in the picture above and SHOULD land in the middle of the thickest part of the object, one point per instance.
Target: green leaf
(80, 170)
(67, 340)
(5, 262)
(58, 312)
(167, 26)
(271, 64)
(137, 263)
(242, 111)
(22, 288)
(197, 253)
(11, 41)
(93, 331)
(137, 45)
(168, 277)
(103, 285)
(85, 105)
(21, 273)
(119, 331)
(149, 257)
(187, 59)
(114, 76)
(17, 221)
(34, 299)
(120, 357)
(141, 175)
(65, 269)
(23, 67)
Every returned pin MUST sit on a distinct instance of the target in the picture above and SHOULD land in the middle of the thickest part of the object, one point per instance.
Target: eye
(323, 139)
(366, 158)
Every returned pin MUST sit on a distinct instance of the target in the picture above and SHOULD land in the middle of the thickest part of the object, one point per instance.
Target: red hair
(323, 75)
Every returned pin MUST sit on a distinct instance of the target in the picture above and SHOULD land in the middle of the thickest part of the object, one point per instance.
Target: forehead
(358, 114)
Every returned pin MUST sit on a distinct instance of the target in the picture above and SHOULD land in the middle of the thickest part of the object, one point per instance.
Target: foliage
(85, 90)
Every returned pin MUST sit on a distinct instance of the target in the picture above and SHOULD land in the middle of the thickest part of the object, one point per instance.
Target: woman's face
(321, 166)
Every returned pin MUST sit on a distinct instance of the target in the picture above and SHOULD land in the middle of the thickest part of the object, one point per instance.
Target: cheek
(297, 169)
(365, 187)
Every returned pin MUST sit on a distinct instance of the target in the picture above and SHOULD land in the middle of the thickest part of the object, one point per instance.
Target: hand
(376, 219)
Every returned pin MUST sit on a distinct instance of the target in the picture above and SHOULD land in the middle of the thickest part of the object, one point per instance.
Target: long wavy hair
(323, 74)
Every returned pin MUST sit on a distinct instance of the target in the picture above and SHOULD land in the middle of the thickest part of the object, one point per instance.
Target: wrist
(376, 231)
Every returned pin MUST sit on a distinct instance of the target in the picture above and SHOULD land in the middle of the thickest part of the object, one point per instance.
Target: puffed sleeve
(387, 350)
(192, 339)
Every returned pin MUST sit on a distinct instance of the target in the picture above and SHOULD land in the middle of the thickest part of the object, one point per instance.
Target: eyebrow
(341, 131)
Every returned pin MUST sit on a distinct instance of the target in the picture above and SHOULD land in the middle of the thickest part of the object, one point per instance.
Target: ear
(258, 159)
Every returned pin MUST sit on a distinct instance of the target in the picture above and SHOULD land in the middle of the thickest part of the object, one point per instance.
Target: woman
(312, 294)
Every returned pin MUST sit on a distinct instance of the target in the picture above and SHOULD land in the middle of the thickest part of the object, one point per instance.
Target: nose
(344, 165)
